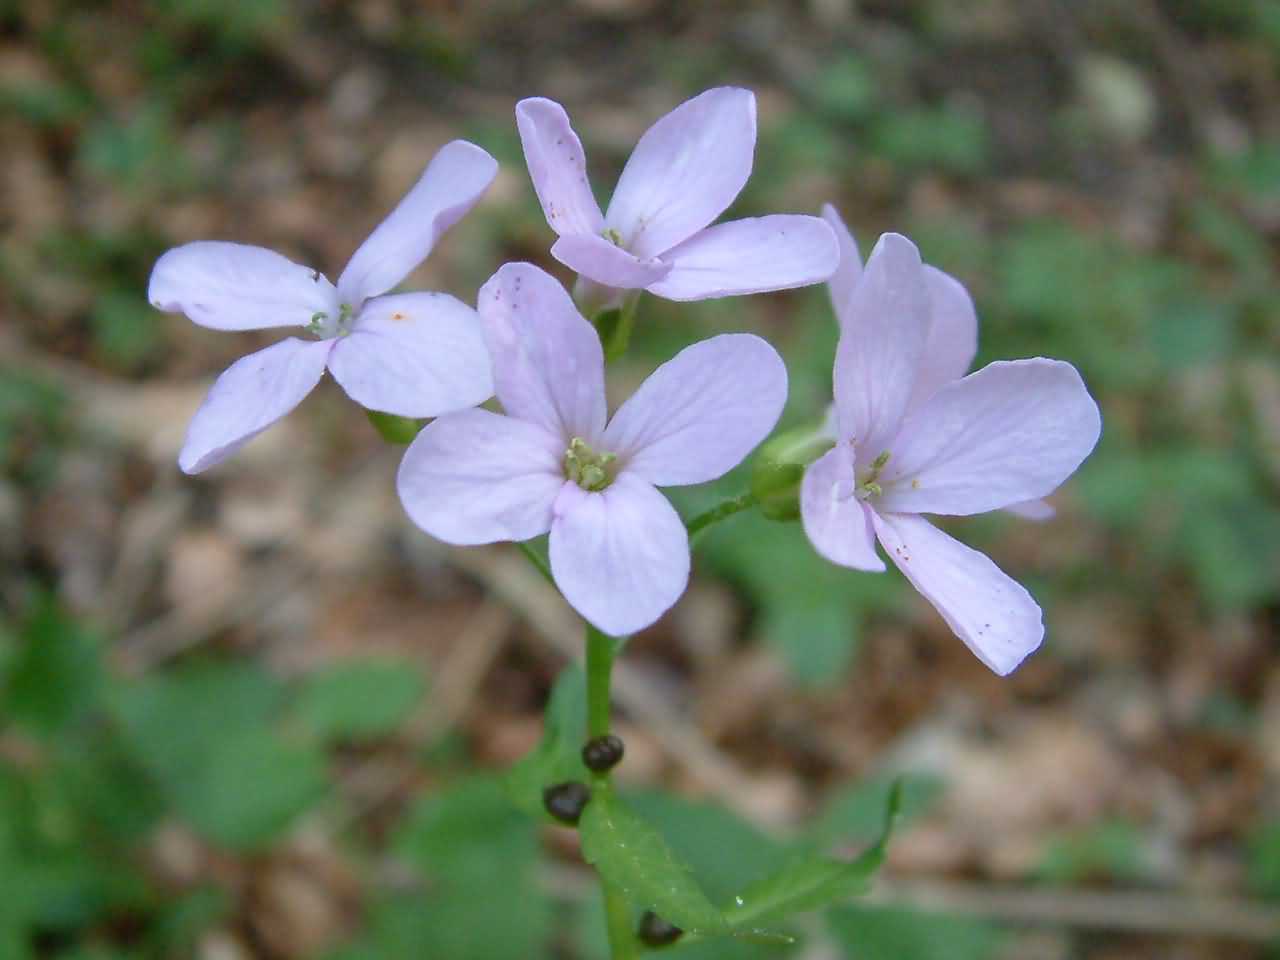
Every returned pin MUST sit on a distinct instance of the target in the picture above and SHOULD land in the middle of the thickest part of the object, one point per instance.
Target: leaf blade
(632, 856)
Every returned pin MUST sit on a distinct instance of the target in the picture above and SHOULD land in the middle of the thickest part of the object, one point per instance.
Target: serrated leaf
(633, 857)
(359, 699)
(557, 758)
(810, 882)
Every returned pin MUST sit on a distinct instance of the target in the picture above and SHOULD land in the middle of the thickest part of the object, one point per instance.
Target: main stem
(617, 911)
(600, 650)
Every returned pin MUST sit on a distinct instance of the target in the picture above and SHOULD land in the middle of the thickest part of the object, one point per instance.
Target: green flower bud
(779, 467)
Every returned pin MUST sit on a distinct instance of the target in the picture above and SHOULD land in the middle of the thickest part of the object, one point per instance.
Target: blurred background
(257, 714)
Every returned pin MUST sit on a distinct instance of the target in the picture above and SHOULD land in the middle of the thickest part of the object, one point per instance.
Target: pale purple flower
(556, 462)
(685, 171)
(1009, 433)
(411, 354)
(950, 346)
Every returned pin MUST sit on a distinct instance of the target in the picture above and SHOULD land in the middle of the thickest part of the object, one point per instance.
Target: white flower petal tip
(993, 614)
(846, 276)
(685, 171)
(620, 556)
(233, 286)
(451, 185)
(415, 355)
(701, 413)
(882, 340)
(558, 167)
(1036, 510)
(1013, 431)
(548, 365)
(251, 395)
(756, 255)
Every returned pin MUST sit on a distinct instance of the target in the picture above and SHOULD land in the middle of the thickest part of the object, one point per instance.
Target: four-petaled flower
(413, 354)
(685, 171)
(911, 439)
(951, 344)
(555, 461)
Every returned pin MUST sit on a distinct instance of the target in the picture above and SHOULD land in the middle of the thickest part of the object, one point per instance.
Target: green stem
(717, 513)
(621, 338)
(618, 920)
(600, 650)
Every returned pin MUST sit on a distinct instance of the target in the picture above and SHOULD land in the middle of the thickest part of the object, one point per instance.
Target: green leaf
(249, 788)
(1264, 860)
(896, 933)
(810, 882)
(558, 757)
(633, 857)
(722, 850)
(55, 674)
(205, 732)
(856, 813)
(359, 699)
(468, 842)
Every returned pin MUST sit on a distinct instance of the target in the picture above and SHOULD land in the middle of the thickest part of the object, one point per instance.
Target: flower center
(868, 485)
(326, 327)
(590, 470)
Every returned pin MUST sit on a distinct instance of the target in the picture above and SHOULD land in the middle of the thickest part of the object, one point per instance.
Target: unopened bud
(779, 468)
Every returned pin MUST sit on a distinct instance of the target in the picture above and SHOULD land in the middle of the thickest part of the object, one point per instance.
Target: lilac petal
(1037, 510)
(621, 556)
(685, 171)
(450, 186)
(750, 256)
(953, 335)
(251, 395)
(415, 355)
(837, 523)
(995, 617)
(846, 277)
(700, 413)
(882, 340)
(231, 286)
(479, 477)
(1012, 431)
(558, 167)
(548, 366)
(606, 263)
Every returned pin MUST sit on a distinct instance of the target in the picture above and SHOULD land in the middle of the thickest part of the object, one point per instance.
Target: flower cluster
(909, 432)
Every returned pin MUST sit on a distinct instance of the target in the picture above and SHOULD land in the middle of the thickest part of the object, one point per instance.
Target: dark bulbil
(656, 932)
(565, 801)
(602, 754)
